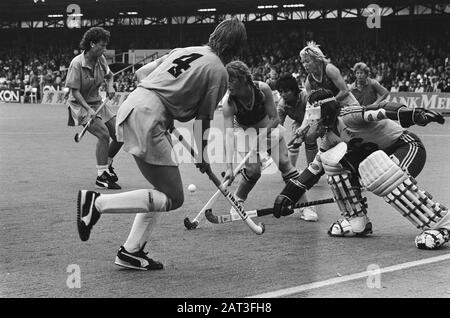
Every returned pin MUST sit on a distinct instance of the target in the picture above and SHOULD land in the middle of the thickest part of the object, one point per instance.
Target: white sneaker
(355, 226)
(308, 214)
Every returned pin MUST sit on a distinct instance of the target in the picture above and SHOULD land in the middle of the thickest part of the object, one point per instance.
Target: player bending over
(366, 147)
(323, 74)
(249, 107)
(293, 105)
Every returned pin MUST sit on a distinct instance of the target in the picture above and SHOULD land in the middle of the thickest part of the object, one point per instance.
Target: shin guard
(346, 188)
(138, 201)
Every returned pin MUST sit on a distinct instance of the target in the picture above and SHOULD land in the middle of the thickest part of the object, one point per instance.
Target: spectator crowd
(401, 64)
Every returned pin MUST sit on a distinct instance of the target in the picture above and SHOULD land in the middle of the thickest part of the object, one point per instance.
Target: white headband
(323, 101)
(313, 112)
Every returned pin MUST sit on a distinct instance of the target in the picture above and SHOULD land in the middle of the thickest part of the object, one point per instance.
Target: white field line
(346, 278)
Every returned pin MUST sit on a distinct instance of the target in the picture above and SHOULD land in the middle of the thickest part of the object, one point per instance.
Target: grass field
(42, 168)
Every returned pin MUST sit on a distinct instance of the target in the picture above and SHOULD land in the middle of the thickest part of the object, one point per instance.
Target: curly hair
(287, 82)
(94, 35)
(361, 66)
(312, 50)
(238, 69)
(228, 39)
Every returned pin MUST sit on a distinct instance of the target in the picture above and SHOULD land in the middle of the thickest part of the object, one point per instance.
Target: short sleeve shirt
(353, 129)
(191, 82)
(367, 94)
(80, 76)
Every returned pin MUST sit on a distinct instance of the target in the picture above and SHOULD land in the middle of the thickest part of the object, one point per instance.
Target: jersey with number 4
(361, 134)
(191, 82)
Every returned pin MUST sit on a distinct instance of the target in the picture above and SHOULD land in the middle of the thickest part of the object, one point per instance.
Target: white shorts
(142, 124)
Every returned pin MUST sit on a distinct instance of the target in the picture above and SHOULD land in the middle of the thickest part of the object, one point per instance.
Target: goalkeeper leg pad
(386, 179)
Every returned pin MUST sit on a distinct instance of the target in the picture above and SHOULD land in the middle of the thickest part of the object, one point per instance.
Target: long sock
(110, 160)
(137, 201)
(310, 152)
(140, 232)
(101, 169)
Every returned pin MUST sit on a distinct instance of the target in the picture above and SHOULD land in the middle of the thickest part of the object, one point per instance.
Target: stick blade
(190, 225)
(211, 217)
(77, 138)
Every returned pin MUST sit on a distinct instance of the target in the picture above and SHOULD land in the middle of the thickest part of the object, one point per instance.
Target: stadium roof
(23, 10)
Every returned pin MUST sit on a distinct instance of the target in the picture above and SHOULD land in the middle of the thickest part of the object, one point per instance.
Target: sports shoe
(355, 226)
(112, 174)
(87, 214)
(105, 182)
(308, 215)
(138, 260)
(432, 239)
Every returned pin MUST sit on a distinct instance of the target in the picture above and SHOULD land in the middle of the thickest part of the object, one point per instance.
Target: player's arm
(307, 87)
(215, 90)
(109, 79)
(73, 82)
(281, 112)
(269, 105)
(228, 112)
(335, 75)
(145, 70)
(404, 115)
(380, 89)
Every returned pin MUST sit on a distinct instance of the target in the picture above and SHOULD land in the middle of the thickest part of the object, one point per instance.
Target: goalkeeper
(365, 146)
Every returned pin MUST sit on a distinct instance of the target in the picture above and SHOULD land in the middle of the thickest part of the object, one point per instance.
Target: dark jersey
(325, 83)
(248, 116)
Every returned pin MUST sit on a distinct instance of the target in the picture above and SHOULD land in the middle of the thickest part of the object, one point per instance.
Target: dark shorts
(407, 151)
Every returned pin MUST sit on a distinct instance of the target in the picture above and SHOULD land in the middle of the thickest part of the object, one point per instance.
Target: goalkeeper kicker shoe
(355, 226)
(87, 214)
(432, 239)
(137, 260)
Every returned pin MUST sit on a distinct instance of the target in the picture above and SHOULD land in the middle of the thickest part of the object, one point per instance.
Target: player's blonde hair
(228, 39)
(312, 50)
(238, 69)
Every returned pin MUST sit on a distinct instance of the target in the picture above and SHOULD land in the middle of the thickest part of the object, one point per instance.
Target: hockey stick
(258, 229)
(190, 225)
(80, 135)
(225, 218)
(301, 134)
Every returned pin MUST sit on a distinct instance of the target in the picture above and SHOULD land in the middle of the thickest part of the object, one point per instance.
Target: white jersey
(355, 131)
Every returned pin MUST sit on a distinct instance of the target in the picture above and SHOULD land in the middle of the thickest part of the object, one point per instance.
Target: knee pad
(331, 159)
(386, 179)
(249, 176)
